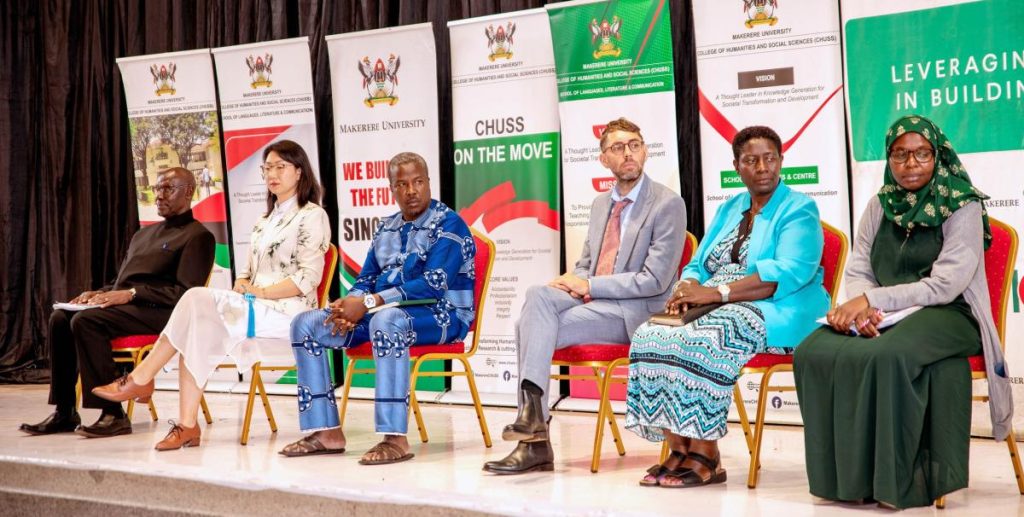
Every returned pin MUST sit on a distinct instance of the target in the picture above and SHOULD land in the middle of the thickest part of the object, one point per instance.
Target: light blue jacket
(785, 247)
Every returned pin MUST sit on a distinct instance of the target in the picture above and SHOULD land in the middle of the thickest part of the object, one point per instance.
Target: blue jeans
(391, 332)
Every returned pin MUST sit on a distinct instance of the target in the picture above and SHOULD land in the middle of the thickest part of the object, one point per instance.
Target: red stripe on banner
(210, 209)
(497, 216)
(498, 195)
(643, 44)
(714, 117)
(350, 265)
(242, 143)
(789, 143)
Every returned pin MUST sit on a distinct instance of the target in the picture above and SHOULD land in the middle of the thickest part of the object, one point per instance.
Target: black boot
(529, 425)
(527, 457)
(57, 422)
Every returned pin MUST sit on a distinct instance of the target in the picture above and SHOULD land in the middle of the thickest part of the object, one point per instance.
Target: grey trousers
(551, 319)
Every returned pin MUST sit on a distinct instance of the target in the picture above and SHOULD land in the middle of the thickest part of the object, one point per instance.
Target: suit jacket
(647, 264)
(785, 247)
(295, 251)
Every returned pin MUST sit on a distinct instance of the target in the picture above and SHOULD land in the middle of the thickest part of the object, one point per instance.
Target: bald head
(174, 188)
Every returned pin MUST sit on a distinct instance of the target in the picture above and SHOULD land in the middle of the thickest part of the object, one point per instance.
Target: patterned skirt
(681, 378)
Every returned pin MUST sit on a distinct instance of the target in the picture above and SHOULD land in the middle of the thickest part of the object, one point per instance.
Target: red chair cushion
(137, 341)
(365, 350)
(768, 360)
(591, 352)
(996, 257)
(977, 363)
(830, 257)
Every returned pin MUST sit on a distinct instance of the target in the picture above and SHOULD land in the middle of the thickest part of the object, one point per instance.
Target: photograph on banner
(970, 83)
(505, 107)
(172, 120)
(775, 64)
(612, 59)
(266, 95)
(384, 87)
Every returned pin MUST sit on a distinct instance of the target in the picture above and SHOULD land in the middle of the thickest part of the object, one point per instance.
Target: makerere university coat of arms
(760, 12)
(499, 41)
(259, 70)
(163, 78)
(380, 80)
(602, 34)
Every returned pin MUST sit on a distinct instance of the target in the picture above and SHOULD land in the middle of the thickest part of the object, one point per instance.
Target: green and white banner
(613, 59)
(384, 85)
(961, 64)
(172, 117)
(775, 64)
(505, 107)
(266, 95)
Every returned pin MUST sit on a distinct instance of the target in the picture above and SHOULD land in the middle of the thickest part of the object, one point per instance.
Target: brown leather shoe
(123, 389)
(178, 437)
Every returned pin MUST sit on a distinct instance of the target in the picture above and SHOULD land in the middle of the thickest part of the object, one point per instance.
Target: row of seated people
(753, 286)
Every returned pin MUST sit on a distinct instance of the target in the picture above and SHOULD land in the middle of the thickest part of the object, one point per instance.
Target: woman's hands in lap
(856, 311)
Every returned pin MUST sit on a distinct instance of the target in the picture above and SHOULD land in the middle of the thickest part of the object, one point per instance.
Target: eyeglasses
(620, 147)
(277, 168)
(751, 160)
(167, 189)
(922, 155)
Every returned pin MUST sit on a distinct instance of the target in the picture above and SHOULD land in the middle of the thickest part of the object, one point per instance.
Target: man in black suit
(164, 260)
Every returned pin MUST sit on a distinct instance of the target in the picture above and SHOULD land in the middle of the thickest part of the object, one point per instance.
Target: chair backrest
(330, 263)
(482, 264)
(999, 260)
(689, 248)
(833, 258)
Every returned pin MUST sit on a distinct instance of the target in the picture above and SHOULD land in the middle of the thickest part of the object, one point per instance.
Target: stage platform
(70, 475)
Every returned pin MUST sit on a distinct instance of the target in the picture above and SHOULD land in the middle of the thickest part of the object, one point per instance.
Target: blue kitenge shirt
(430, 257)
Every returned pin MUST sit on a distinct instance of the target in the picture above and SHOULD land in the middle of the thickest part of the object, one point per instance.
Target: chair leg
(471, 380)
(248, 408)
(78, 392)
(1011, 443)
(344, 393)
(263, 398)
(136, 359)
(606, 398)
(206, 410)
(152, 410)
(414, 404)
(940, 503)
(599, 434)
(664, 452)
(741, 409)
(762, 403)
(131, 409)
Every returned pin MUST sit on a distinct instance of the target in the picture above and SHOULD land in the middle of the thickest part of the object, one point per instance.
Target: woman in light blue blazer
(753, 286)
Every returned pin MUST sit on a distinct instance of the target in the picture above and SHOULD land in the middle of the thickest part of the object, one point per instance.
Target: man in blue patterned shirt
(424, 252)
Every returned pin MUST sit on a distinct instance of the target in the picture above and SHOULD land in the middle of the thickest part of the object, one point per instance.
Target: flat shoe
(308, 446)
(658, 470)
(392, 454)
(691, 478)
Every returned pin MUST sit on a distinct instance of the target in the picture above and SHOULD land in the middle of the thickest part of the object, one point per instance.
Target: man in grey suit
(625, 273)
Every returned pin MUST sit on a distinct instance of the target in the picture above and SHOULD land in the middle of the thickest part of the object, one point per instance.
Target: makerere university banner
(968, 78)
(775, 64)
(266, 95)
(172, 118)
(505, 107)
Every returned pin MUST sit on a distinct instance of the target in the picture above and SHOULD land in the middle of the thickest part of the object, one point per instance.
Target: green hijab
(949, 189)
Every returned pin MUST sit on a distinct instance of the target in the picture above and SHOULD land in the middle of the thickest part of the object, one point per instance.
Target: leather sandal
(308, 446)
(690, 478)
(658, 471)
(392, 454)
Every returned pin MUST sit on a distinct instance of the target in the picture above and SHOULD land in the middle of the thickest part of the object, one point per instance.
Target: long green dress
(888, 418)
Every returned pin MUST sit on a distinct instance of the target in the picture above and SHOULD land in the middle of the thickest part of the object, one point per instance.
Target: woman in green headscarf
(887, 410)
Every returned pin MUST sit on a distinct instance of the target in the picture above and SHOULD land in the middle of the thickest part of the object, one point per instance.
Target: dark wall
(68, 210)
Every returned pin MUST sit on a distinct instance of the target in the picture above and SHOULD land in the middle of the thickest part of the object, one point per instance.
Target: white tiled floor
(446, 471)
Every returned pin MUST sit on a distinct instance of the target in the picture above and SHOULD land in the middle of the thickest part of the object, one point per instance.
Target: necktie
(610, 244)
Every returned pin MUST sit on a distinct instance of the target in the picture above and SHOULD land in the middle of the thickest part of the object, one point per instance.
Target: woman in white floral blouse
(279, 280)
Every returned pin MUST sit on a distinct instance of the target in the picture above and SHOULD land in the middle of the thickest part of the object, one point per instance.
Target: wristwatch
(370, 301)
(132, 290)
(724, 289)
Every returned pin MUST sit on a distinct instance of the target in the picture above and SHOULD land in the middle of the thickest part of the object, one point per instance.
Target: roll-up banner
(384, 85)
(613, 59)
(961, 64)
(266, 95)
(172, 118)
(774, 64)
(505, 106)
